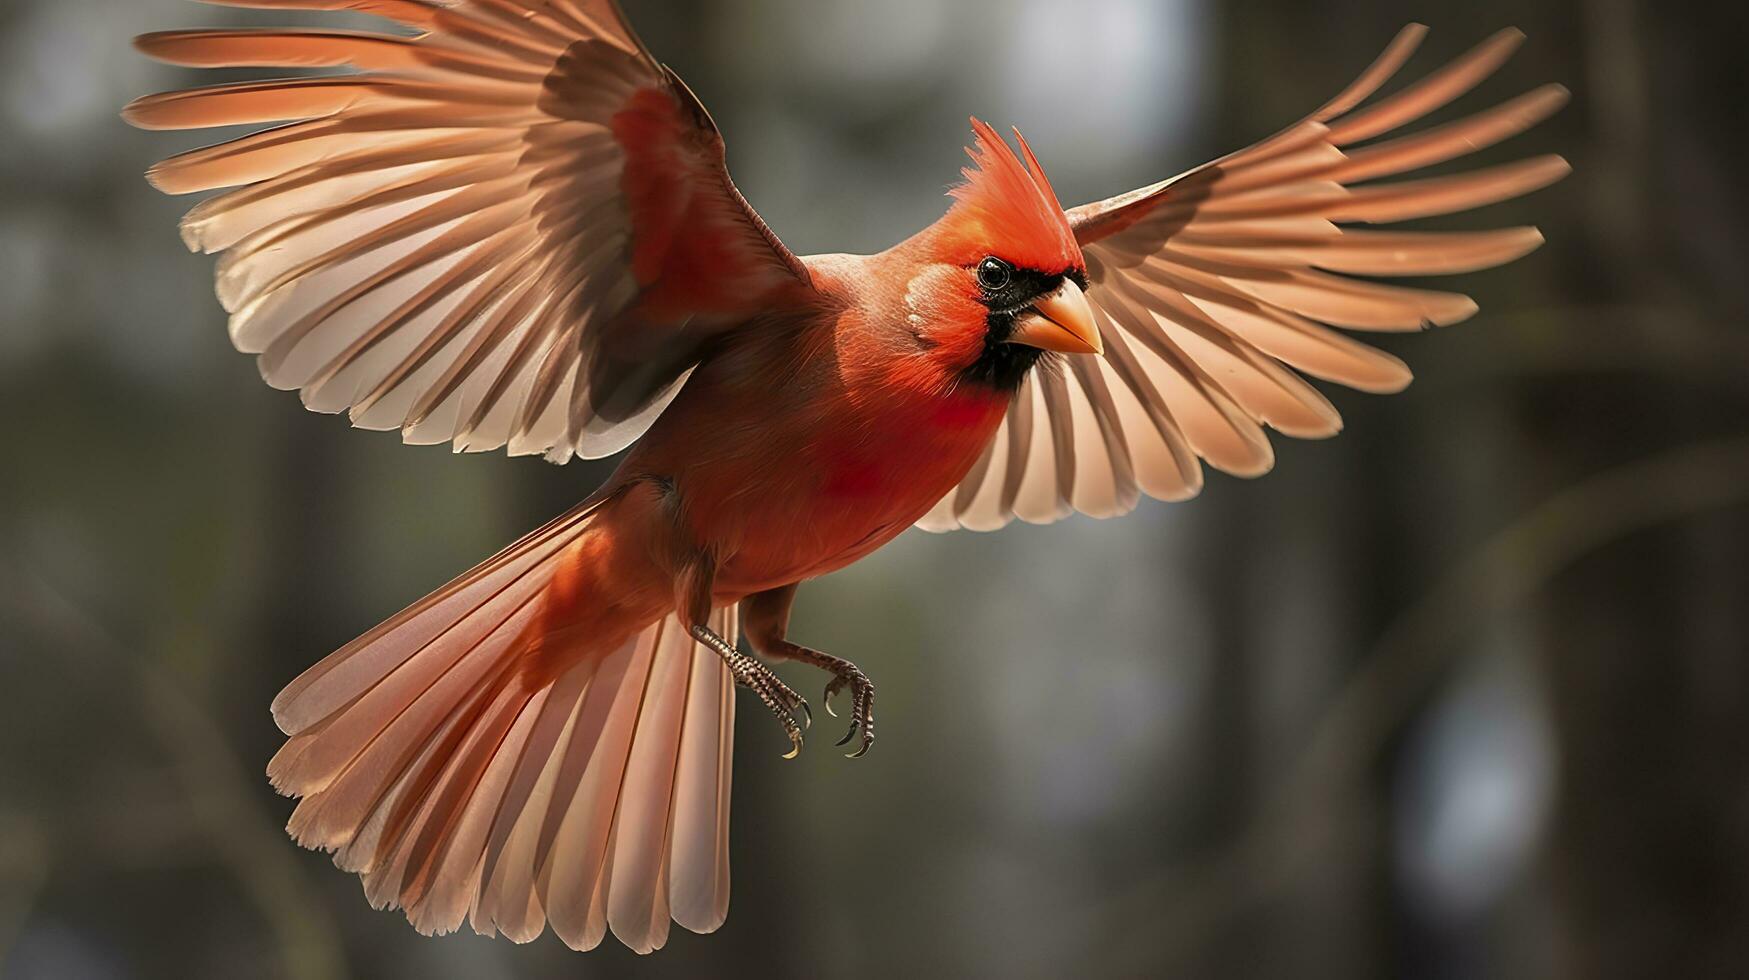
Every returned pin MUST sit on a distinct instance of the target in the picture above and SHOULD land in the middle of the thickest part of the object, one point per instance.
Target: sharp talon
(777, 697)
(793, 709)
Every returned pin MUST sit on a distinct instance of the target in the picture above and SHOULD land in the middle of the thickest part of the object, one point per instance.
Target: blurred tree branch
(219, 793)
(1307, 812)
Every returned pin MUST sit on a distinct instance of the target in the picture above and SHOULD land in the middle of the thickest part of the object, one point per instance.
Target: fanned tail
(461, 790)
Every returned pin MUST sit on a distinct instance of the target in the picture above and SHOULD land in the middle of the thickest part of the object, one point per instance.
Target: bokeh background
(1463, 693)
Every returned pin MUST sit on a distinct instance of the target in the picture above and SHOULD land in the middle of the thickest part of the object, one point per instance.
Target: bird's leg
(750, 673)
(765, 618)
(782, 701)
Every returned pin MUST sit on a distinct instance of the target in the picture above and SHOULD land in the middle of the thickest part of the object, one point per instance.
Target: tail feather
(700, 835)
(460, 792)
(639, 894)
(576, 838)
(507, 578)
(506, 898)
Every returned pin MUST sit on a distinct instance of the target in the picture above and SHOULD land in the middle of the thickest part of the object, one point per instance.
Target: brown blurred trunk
(1646, 642)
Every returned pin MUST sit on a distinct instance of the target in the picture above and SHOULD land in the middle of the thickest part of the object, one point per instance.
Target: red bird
(515, 228)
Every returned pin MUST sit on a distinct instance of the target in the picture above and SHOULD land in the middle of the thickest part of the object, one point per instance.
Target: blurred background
(1463, 693)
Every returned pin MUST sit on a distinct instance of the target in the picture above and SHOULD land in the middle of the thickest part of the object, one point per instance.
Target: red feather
(1003, 200)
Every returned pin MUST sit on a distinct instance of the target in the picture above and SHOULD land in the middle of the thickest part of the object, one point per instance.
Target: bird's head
(1003, 278)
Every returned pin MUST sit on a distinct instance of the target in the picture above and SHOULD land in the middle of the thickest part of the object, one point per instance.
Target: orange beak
(1062, 322)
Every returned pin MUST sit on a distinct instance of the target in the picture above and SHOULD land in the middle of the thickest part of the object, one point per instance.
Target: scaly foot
(777, 696)
(844, 674)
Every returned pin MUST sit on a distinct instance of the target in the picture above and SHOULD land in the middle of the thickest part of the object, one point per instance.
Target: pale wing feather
(1216, 290)
(441, 240)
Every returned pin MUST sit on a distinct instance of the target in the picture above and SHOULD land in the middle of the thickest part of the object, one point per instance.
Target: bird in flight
(510, 226)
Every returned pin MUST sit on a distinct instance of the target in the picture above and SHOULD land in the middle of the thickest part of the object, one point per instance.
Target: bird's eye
(994, 274)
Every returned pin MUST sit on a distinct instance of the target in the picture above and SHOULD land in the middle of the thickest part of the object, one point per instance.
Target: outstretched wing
(512, 227)
(1214, 290)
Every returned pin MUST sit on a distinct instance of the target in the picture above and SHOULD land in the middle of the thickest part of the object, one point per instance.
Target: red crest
(1009, 207)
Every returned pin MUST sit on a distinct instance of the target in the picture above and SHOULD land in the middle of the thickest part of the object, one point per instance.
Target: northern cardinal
(513, 226)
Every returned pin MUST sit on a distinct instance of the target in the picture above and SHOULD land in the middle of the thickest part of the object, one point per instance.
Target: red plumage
(1003, 200)
(516, 229)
